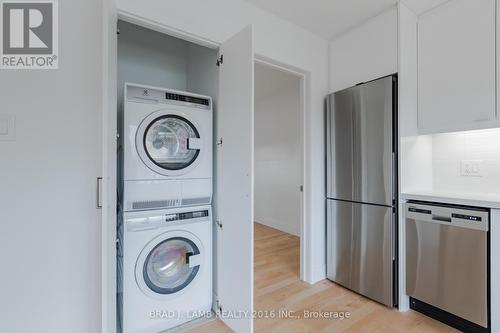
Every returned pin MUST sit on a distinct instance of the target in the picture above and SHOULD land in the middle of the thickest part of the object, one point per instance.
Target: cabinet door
(456, 66)
(235, 119)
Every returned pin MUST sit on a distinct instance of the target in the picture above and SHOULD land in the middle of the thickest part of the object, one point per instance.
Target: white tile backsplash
(450, 149)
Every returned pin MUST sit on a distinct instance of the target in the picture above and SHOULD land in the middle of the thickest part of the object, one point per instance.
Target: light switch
(7, 128)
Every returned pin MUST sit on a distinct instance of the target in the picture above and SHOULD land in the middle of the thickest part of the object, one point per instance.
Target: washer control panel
(140, 223)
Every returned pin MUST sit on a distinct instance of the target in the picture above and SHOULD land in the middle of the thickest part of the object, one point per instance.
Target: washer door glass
(166, 141)
(166, 269)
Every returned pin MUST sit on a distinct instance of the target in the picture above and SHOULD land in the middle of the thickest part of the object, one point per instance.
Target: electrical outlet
(471, 168)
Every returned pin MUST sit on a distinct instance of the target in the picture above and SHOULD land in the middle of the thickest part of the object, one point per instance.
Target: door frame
(111, 15)
(302, 76)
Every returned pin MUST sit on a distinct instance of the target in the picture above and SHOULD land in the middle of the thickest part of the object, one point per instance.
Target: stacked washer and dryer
(165, 238)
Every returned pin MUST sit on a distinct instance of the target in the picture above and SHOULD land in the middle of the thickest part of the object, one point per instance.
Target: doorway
(278, 158)
(278, 180)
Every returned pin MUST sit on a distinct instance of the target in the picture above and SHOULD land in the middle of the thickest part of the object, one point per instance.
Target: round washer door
(169, 264)
(168, 143)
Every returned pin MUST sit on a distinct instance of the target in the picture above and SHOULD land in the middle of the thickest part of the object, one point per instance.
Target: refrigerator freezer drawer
(360, 248)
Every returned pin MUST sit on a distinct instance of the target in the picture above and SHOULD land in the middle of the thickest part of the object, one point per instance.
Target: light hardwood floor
(278, 287)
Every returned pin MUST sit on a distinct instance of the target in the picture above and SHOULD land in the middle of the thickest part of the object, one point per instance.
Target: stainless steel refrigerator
(362, 189)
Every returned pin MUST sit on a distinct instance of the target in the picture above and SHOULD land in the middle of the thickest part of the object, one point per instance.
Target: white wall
(415, 151)
(50, 239)
(416, 164)
(277, 39)
(433, 162)
(407, 71)
(365, 53)
(277, 150)
(451, 148)
(151, 58)
(202, 74)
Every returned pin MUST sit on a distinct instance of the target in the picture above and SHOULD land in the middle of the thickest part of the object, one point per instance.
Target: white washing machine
(167, 148)
(167, 268)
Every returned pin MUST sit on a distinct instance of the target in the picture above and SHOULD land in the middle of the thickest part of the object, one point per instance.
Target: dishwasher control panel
(467, 217)
(457, 216)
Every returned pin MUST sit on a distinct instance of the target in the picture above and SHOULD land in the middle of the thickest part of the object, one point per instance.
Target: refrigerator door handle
(395, 189)
(394, 233)
(329, 153)
(356, 172)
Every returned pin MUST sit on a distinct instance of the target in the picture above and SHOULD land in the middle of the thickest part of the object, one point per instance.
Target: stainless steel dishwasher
(447, 263)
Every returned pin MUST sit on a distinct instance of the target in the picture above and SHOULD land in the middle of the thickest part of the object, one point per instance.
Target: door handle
(98, 202)
(193, 260)
(195, 144)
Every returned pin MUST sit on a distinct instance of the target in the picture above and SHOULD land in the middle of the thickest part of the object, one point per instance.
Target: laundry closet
(179, 255)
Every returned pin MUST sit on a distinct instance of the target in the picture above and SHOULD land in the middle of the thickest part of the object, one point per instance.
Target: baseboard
(281, 227)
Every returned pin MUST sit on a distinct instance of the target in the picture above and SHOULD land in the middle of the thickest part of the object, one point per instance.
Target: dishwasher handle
(441, 218)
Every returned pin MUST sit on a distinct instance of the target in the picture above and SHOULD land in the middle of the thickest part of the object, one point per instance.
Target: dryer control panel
(186, 216)
(145, 94)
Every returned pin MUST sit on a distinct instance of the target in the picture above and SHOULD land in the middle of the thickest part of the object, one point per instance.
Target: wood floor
(278, 287)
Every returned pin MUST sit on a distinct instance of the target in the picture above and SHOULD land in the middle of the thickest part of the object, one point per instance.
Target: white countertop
(486, 200)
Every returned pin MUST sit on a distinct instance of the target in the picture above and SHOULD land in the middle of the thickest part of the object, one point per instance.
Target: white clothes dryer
(167, 148)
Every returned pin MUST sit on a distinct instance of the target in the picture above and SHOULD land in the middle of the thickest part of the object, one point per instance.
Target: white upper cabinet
(456, 67)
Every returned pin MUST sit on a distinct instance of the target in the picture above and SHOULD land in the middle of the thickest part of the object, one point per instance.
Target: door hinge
(220, 60)
(301, 188)
(219, 142)
(117, 31)
(219, 224)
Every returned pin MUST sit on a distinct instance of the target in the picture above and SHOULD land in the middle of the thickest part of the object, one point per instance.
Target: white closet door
(108, 228)
(235, 122)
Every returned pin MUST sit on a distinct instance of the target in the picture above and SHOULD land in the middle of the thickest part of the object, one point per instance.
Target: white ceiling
(330, 18)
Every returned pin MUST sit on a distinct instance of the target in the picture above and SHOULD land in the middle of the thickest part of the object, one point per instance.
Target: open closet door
(109, 197)
(235, 122)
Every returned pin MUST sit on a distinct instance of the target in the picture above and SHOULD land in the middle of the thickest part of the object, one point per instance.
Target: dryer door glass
(166, 142)
(166, 269)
